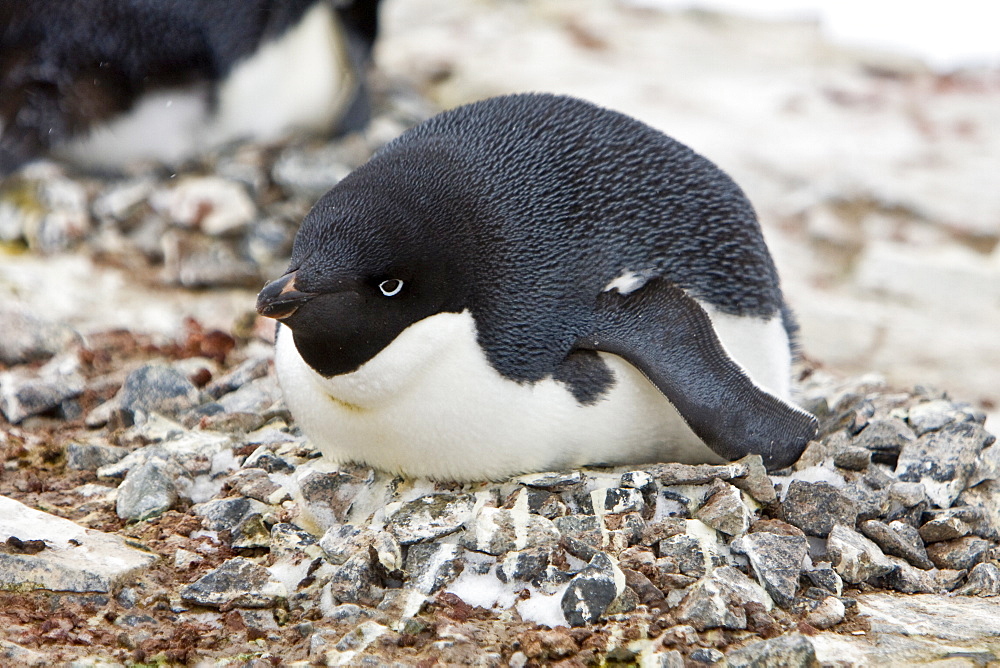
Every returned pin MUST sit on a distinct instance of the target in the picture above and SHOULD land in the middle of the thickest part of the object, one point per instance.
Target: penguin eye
(391, 287)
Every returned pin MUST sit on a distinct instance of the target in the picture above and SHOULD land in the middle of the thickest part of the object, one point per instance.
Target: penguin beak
(280, 299)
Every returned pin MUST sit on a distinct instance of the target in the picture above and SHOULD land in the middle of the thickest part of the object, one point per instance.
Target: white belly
(431, 405)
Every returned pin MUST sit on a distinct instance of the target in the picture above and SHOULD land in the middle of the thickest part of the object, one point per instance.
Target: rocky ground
(159, 507)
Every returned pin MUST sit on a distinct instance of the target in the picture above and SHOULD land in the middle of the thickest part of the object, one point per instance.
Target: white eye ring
(391, 287)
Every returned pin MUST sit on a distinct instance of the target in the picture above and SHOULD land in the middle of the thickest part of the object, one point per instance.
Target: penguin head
(363, 269)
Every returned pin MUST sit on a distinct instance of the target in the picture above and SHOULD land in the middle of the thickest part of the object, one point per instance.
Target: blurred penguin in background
(106, 82)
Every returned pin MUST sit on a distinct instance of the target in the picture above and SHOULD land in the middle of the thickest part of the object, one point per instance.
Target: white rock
(74, 558)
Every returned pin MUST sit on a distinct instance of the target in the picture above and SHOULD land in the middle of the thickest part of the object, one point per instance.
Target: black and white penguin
(106, 82)
(534, 283)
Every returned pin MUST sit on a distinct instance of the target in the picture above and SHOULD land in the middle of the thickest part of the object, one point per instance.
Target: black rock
(590, 592)
(223, 514)
(983, 580)
(524, 565)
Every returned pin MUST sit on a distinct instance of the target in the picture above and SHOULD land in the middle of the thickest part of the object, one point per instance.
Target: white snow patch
(544, 609)
(484, 590)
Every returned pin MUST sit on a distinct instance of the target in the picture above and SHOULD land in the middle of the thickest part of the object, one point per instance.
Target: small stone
(310, 172)
(498, 531)
(946, 526)
(776, 562)
(183, 559)
(906, 579)
(898, 541)
(983, 580)
(341, 542)
(725, 511)
(430, 566)
(686, 552)
(984, 498)
(251, 533)
(264, 458)
(931, 416)
(157, 389)
(829, 612)
(663, 659)
(327, 498)
(24, 393)
(289, 540)
(357, 580)
(147, 491)
(815, 507)
(430, 517)
(655, 531)
(640, 480)
(718, 600)
(958, 554)
(943, 460)
(245, 372)
(853, 459)
(254, 397)
(92, 456)
(825, 577)
(256, 484)
(523, 565)
(237, 582)
(884, 439)
(592, 590)
(757, 483)
(617, 500)
(855, 558)
(706, 656)
(223, 514)
(787, 651)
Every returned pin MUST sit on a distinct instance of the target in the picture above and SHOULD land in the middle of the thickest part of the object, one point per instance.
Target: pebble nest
(203, 528)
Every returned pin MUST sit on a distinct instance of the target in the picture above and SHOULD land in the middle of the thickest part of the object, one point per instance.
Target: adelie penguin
(534, 283)
(106, 82)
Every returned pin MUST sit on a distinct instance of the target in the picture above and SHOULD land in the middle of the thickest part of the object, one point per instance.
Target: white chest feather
(430, 404)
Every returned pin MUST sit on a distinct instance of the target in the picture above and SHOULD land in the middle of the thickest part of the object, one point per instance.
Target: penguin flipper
(668, 337)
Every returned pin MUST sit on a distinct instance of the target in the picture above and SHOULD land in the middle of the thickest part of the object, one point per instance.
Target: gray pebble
(156, 388)
(983, 580)
(92, 456)
(430, 517)
(788, 651)
(430, 566)
(959, 554)
(147, 491)
(855, 558)
(776, 562)
(815, 507)
(237, 582)
(896, 539)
